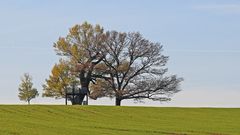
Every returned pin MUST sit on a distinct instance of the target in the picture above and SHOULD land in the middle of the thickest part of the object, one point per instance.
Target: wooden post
(66, 98)
(73, 93)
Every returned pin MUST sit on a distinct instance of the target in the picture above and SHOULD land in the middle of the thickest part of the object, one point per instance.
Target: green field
(111, 120)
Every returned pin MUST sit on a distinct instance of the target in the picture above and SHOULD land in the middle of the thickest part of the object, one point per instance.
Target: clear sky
(202, 38)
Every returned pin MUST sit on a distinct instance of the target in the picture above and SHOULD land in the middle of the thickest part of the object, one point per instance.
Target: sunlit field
(112, 120)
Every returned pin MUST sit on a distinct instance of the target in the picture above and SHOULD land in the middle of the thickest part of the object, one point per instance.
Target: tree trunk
(28, 102)
(84, 89)
(118, 101)
(73, 103)
(80, 99)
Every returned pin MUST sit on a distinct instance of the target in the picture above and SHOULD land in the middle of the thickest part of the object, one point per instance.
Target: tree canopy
(136, 67)
(82, 49)
(113, 64)
(59, 80)
(26, 90)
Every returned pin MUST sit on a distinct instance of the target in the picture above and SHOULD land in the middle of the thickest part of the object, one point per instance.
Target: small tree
(26, 90)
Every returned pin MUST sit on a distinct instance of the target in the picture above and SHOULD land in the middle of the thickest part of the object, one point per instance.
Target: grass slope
(107, 120)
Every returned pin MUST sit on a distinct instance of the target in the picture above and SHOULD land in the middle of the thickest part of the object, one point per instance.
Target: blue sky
(201, 38)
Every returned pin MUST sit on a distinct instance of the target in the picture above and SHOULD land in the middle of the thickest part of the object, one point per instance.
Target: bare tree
(136, 70)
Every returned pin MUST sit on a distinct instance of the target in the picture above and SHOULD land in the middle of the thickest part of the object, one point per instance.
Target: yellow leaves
(60, 68)
(62, 45)
(98, 29)
(75, 52)
(86, 26)
(58, 80)
(55, 70)
(81, 42)
(74, 30)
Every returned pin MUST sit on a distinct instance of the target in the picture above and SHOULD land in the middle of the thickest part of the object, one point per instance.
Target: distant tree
(136, 69)
(59, 81)
(26, 90)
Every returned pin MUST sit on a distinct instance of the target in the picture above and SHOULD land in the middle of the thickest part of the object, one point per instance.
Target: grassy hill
(111, 120)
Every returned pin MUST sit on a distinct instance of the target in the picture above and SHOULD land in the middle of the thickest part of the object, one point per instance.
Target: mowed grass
(111, 120)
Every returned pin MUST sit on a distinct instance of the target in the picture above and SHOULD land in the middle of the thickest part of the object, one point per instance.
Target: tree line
(110, 64)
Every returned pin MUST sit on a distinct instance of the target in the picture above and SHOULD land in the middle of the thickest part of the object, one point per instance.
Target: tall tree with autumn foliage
(82, 48)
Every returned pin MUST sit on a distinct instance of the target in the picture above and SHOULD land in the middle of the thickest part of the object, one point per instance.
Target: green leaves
(26, 90)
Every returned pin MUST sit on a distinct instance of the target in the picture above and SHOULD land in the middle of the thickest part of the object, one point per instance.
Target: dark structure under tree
(76, 95)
